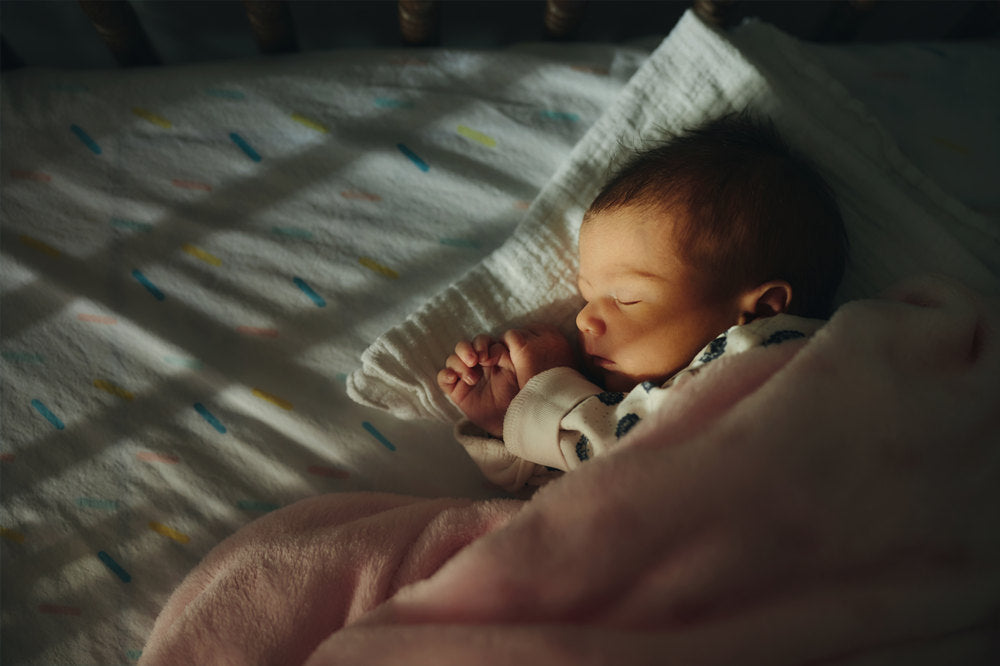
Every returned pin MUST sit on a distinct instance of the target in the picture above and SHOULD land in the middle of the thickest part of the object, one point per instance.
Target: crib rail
(423, 22)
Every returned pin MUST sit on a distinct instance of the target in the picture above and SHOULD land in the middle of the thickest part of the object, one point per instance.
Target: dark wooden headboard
(491, 23)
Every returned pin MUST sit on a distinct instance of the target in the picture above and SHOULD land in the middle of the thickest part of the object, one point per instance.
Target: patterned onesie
(560, 419)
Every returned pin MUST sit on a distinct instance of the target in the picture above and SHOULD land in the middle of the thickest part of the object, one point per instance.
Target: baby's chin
(616, 381)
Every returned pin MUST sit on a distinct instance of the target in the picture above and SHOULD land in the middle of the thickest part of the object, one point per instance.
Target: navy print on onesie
(625, 424)
(611, 398)
(583, 450)
(716, 348)
(781, 336)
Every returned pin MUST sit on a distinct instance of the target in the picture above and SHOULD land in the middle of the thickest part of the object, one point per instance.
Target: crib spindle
(418, 21)
(271, 22)
(119, 28)
(563, 18)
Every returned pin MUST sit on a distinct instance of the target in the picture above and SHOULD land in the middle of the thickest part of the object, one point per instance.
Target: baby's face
(646, 314)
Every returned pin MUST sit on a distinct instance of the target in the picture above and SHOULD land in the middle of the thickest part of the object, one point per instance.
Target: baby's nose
(588, 321)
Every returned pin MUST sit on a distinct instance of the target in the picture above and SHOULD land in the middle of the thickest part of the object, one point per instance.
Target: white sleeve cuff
(532, 424)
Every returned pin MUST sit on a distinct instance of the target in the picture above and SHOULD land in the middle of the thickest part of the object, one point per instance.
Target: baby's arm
(480, 379)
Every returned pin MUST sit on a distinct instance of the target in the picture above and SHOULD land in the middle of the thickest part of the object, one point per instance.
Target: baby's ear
(765, 300)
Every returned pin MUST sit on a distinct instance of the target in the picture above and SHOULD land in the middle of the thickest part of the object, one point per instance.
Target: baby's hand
(480, 379)
(537, 348)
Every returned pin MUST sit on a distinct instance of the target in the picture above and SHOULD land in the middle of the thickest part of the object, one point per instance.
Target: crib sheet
(193, 259)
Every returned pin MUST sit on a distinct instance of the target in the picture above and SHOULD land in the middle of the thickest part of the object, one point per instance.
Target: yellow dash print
(273, 399)
(951, 145)
(308, 122)
(11, 535)
(475, 135)
(169, 532)
(152, 117)
(367, 262)
(113, 390)
(199, 253)
(36, 244)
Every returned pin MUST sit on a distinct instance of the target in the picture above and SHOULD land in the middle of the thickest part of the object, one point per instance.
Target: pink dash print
(151, 457)
(258, 332)
(37, 176)
(191, 185)
(329, 472)
(56, 609)
(359, 194)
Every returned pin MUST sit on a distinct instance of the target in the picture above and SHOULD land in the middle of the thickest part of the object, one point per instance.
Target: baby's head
(714, 228)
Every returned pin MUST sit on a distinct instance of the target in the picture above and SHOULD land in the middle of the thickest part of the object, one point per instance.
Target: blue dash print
(373, 431)
(49, 416)
(245, 147)
(423, 166)
(210, 417)
(308, 291)
(85, 138)
(115, 568)
(152, 288)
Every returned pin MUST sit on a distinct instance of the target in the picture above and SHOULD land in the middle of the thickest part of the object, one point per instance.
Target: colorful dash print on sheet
(184, 362)
(169, 532)
(149, 116)
(373, 431)
(210, 418)
(38, 245)
(184, 184)
(150, 287)
(329, 472)
(59, 609)
(245, 147)
(23, 358)
(310, 123)
(199, 253)
(292, 232)
(153, 457)
(91, 318)
(308, 291)
(258, 331)
(12, 535)
(477, 136)
(273, 399)
(97, 503)
(38, 176)
(113, 389)
(393, 103)
(42, 409)
(371, 264)
(423, 166)
(86, 139)
(360, 195)
(130, 225)
(114, 567)
(559, 115)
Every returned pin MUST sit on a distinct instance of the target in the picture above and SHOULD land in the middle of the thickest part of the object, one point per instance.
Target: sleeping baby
(719, 240)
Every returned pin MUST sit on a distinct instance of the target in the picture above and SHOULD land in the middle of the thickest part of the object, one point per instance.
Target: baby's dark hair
(749, 209)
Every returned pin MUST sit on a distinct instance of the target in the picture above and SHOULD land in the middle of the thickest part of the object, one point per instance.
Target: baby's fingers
(467, 353)
(482, 344)
(470, 376)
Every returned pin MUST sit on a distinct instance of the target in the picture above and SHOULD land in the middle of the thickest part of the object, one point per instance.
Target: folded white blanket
(899, 222)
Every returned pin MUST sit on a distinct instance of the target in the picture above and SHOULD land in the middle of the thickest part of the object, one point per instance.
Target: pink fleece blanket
(835, 501)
